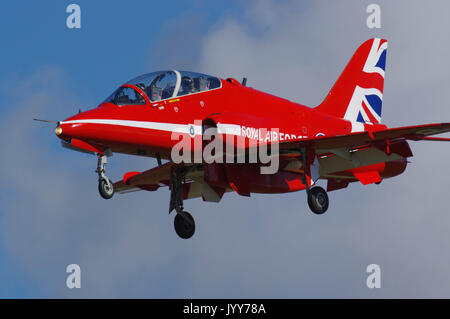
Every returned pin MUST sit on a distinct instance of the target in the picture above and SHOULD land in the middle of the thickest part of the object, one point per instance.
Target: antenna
(244, 81)
(46, 121)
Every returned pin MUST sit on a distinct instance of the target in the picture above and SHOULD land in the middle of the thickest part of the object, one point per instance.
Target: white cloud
(297, 50)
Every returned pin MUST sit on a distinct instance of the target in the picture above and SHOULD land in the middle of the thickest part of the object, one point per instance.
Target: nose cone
(74, 126)
(58, 130)
(87, 126)
(71, 127)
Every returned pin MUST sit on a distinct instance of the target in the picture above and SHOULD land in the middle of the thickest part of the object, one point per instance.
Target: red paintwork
(252, 110)
(128, 175)
(344, 86)
(394, 168)
(367, 177)
(223, 105)
(86, 146)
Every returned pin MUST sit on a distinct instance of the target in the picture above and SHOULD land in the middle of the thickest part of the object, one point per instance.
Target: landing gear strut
(184, 222)
(105, 187)
(318, 200)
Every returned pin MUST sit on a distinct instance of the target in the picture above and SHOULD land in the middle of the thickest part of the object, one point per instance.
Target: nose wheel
(318, 200)
(105, 186)
(184, 222)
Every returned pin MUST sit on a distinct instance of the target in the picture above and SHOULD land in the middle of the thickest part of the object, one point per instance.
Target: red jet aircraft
(341, 140)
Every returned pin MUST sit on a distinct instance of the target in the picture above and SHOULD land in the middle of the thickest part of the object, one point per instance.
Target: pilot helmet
(187, 84)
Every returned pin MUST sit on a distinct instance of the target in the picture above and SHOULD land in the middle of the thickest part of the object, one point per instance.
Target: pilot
(139, 99)
(202, 84)
(187, 84)
(155, 92)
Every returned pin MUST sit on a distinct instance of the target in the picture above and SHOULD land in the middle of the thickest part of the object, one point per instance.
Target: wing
(153, 179)
(415, 133)
(159, 176)
(344, 146)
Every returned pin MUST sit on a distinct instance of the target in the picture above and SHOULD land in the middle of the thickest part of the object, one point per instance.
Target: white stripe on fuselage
(222, 128)
(169, 127)
(232, 129)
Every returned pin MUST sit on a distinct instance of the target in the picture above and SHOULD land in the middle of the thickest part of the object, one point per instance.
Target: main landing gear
(184, 225)
(318, 200)
(105, 187)
(184, 222)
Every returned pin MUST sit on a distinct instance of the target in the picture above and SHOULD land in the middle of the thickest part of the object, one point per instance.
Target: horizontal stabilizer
(414, 133)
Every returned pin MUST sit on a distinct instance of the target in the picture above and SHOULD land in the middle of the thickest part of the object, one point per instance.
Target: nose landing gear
(318, 200)
(184, 222)
(105, 187)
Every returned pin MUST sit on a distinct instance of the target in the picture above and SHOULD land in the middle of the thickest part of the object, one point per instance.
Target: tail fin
(358, 93)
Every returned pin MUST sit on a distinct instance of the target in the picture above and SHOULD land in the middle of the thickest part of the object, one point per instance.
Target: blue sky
(115, 42)
(266, 246)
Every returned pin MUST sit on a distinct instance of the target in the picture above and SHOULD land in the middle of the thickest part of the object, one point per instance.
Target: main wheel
(106, 189)
(318, 200)
(184, 225)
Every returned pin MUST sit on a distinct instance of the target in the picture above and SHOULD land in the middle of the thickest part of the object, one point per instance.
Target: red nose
(77, 126)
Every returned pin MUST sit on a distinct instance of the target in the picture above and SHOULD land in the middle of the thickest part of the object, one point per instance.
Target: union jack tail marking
(357, 95)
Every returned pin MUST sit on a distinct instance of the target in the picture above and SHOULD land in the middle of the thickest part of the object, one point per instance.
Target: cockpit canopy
(161, 85)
